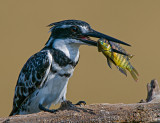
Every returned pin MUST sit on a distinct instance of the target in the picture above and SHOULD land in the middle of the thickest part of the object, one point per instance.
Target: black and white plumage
(43, 79)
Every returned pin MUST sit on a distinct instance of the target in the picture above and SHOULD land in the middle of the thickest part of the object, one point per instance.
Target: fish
(118, 56)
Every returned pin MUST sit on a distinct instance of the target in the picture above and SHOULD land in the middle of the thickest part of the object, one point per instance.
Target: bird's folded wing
(32, 76)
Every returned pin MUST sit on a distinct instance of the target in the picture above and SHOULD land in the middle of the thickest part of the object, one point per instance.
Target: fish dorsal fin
(117, 51)
(122, 70)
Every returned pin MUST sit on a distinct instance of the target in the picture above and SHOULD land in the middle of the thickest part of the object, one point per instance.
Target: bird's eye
(74, 28)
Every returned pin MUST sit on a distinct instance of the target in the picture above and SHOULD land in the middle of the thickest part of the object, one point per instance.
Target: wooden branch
(146, 111)
(153, 91)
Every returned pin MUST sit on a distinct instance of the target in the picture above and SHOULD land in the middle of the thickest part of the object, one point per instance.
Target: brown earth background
(23, 32)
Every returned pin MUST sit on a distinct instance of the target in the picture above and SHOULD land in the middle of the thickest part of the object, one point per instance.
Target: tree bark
(146, 111)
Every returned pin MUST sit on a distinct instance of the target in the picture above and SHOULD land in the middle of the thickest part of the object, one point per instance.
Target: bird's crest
(67, 22)
(51, 26)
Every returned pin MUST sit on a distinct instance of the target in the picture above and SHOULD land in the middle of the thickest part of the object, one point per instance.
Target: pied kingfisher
(44, 77)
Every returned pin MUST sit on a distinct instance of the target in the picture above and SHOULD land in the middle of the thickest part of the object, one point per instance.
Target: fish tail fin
(134, 74)
(135, 71)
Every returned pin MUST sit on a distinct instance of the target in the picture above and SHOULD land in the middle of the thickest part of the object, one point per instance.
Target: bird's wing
(32, 76)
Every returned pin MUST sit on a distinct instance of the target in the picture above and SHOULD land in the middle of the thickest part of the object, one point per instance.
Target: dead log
(146, 111)
(153, 91)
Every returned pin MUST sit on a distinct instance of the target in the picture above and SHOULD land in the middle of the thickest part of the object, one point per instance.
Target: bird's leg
(68, 103)
(41, 107)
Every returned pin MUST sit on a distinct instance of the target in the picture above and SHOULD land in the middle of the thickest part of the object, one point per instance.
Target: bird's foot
(69, 104)
(41, 107)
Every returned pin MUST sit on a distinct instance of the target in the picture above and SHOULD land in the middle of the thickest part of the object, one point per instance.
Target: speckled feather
(30, 78)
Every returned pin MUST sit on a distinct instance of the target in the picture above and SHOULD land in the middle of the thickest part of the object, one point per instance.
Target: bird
(44, 77)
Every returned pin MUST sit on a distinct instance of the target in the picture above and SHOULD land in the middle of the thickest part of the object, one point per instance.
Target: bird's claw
(80, 103)
(68, 103)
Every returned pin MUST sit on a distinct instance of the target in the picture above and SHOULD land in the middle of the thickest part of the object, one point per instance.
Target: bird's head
(76, 31)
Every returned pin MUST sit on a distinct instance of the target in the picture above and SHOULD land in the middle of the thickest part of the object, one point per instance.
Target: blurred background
(23, 32)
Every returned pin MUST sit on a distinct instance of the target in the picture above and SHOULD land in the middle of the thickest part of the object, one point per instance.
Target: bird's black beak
(96, 34)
